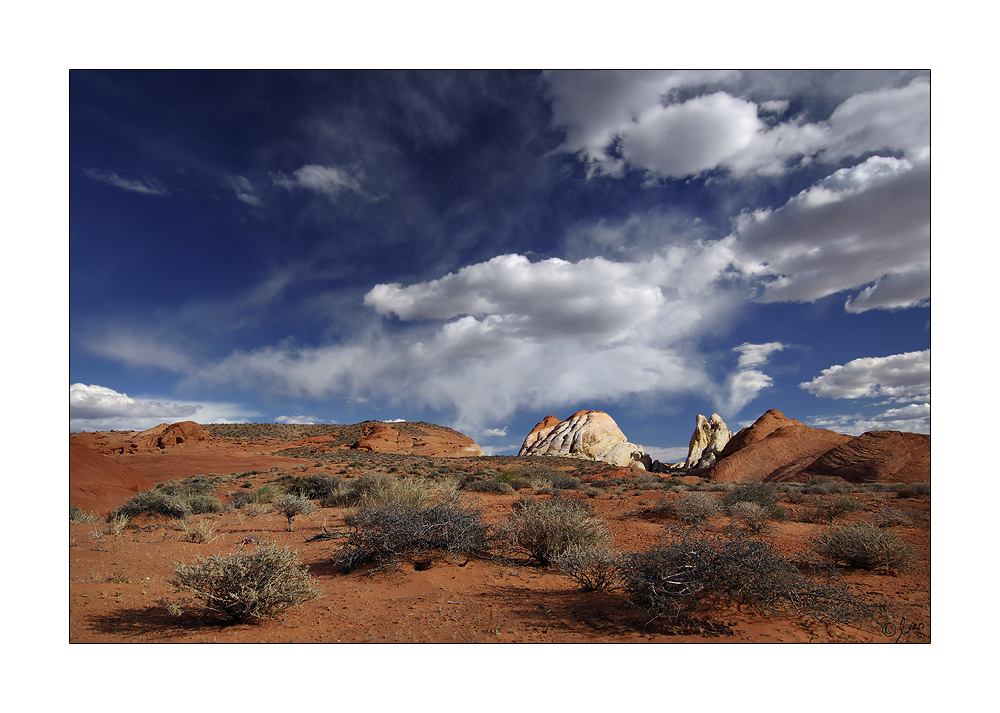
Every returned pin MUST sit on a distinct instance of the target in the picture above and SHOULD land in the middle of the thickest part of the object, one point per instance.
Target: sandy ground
(120, 591)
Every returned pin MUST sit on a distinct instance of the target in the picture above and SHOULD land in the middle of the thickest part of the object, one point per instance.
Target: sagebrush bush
(385, 533)
(865, 546)
(154, 502)
(912, 490)
(292, 505)
(374, 488)
(754, 517)
(595, 567)
(545, 529)
(201, 504)
(247, 586)
(693, 507)
(673, 579)
(763, 494)
(493, 485)
(891, 517)
(266, 494)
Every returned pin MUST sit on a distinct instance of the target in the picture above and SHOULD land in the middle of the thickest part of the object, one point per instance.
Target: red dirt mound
(100, 484)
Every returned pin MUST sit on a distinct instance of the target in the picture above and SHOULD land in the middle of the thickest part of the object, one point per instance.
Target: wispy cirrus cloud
(149, 186)
(329, 181)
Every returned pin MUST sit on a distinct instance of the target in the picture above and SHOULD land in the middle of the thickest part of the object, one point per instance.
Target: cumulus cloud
(149, 187)
(99, 408)
(509, 333)
(329, 181)
(649, 121)
(901, 377)
(867, 226)
(495, 432)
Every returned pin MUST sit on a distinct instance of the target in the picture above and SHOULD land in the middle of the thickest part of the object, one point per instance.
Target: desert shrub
(891, 517)
(78, 516)
(266, 493)
(247, 586)
(562, 481)
(514, 479)
(673, 579)
(494, 485)
(595, 567)
(825, 486)
(318, 486)
(292, 505)
(763, 494)
(203, 532)
(753, 516)
(201, 504)
(912, 490)
(865, 546)
(693, 507)
(154, 502)
(384, 533)
(545, 529)
(376, 488)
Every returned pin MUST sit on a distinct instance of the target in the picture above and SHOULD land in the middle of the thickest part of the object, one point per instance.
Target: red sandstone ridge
(419, 440)
(778, 448)
(100, 484)
(160, 437)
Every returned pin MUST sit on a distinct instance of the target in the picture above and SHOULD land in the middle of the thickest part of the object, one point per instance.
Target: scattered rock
(593, 435)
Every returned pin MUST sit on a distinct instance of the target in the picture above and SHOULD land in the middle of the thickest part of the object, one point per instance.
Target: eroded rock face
(429, 440)
(164, 436)
(586, 434)
(100, 484)
(877, 456)
(707, 442)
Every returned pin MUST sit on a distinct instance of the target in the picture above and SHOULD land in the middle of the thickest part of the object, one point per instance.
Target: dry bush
(493, 485)
(204, 532)
(693, 507)
(673, 579)
(78, 516)
(753, 516)
(763, 494)
(247, 586)
(292, 505)
(154, 502)
(912, 490)
(595, 567)
(201, 504)
(864, 545)
(892, 517)
(382, 534)
(373, 488)
(545, 529)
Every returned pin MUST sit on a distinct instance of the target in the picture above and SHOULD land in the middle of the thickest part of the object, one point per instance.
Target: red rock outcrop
(100, 484)
(432, 441)
(878, 456)
(778, 448)
(773, 448)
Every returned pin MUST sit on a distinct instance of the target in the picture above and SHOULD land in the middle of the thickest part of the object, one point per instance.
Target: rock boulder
(709, 438)
(593, 435)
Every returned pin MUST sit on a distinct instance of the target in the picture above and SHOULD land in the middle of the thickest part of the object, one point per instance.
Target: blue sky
(481, 249)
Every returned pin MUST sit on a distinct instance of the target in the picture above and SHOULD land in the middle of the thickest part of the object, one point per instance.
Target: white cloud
(300, 419)
(495, 432)
(673, 454)
(912, 418)
(867, 226)
(99, 408)
(902, 377)
(756, 354)
(508, 334)
(149, 187)
(244, 190)
(638, 119)
(329, 181)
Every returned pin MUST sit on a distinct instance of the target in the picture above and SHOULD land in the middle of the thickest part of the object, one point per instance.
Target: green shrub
(292, 505)
(865, 546)
(514, 479)
(546, 529)
(493, 485)
(154, 502)
(266, 493)
(247, 586)
(384, 533)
